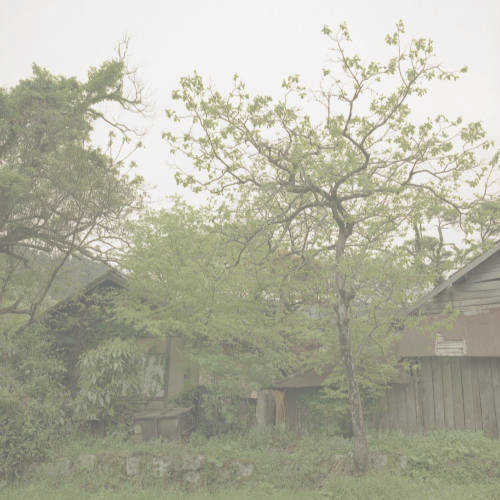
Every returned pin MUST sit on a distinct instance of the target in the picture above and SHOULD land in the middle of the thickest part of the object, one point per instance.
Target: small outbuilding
(282, 403)
(451, 356)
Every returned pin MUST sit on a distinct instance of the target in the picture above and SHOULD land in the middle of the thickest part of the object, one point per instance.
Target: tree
(341, 172)
(241, 324)
(61, 195)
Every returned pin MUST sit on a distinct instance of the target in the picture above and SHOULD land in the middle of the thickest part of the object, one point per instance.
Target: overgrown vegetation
(61, 195)
(440, 465)
(316, 236)
(35, 405)
(341, 174)
(109, 378)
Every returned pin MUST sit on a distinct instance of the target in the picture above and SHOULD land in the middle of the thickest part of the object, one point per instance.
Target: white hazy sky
(262, 41)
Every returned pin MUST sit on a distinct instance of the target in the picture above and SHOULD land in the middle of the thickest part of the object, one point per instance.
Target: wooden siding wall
(445, 393)
(478, 291)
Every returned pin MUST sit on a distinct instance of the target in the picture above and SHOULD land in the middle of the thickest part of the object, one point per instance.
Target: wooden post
(279, 398)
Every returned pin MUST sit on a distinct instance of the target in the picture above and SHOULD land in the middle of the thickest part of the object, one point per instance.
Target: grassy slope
(449, 465)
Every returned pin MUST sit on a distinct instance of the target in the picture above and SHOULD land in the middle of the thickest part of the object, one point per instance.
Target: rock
(87, 461)
(132, 466)
(342, 464)
(162, 465)
(244, 469)
(192, 478)
(192, 463)
(403, 462)
(110, 460)
(379, 461)
(33, 469)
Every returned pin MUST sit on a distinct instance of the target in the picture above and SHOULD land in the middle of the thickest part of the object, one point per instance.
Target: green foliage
(457, 465)
(461, 457)
(84, 323)
(108, 380)
(237, 311)
(35, 411)
(60, 194)
(219, 411)
(28, 427)
(325, 411)
(340, 176)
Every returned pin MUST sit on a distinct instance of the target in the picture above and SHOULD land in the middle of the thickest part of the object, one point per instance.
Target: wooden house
(452, 356)
(167, 371)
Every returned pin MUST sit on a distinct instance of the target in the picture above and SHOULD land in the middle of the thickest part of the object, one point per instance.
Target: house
(452, 356)
(282, 402)
(167, 372)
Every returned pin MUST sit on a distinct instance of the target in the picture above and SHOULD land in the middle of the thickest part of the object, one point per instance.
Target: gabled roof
(456, 277)
(111, 276)
(310, 378)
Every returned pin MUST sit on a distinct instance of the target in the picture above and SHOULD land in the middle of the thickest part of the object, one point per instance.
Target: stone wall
(189, 470)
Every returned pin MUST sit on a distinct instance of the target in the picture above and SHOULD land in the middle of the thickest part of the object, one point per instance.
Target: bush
(28, 428)
(218, 411)
(109, 380)
(34, 406)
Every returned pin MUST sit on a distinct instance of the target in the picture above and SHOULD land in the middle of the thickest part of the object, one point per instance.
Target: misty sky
(262, 41)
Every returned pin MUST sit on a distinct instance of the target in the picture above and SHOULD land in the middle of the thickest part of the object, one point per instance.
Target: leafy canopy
(341, 173)
(60, 194)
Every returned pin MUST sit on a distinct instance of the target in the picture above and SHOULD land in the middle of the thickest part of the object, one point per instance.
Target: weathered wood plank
(495, 377)
(480, 286)
(393, 409)
(486, 396)
(429, 420)
(437, 382)
(449, 417)
(476, 296)
(411, 406)
(468, 394)
(383, 409)
(403, 408)
(478, 420)
(396, 409)
(291, 409)
(457, 390)
(419, 402)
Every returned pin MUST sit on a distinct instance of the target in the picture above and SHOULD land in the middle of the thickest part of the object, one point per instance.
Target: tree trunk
(356, 407)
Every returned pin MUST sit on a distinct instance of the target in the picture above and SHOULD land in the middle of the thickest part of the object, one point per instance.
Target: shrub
(109, 380)
(218, 411)
(34, 407)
